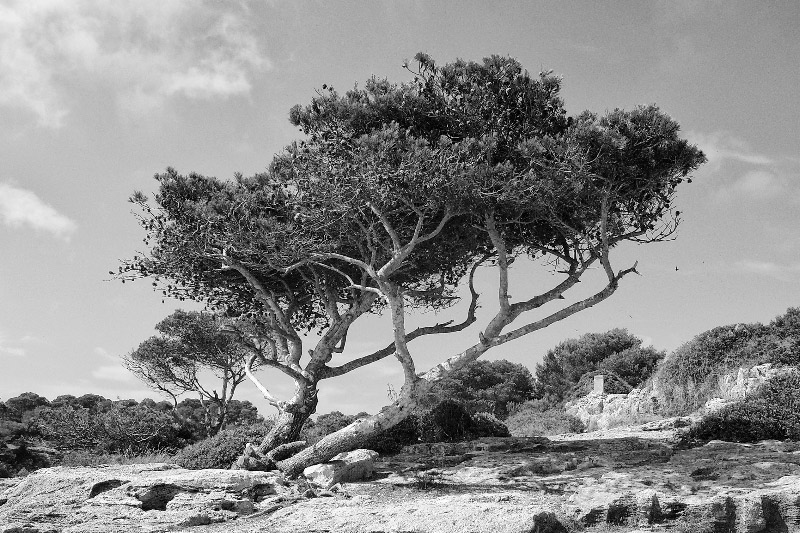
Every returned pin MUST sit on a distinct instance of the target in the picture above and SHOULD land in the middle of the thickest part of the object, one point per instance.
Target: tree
(397, 194)
(487, 386)
(189, 345)
(615, 351)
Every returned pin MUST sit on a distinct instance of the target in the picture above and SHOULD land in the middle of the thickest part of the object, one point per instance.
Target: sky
(96, 97)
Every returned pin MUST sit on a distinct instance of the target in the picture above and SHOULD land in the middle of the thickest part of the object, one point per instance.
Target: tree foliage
(487, 386)
(397, 193)
(191, 345)
(615, 351)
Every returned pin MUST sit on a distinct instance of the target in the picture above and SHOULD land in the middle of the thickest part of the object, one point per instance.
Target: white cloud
(10, 348)
(112, 373)
(759, 184)
(782, 272)
(144, 52)
(15, 352)
(21, 207)
(720, 147)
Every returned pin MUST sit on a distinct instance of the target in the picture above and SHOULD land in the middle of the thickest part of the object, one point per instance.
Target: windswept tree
(393, 199)
(193, 353)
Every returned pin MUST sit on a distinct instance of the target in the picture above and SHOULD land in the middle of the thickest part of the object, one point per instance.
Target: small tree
(396, 196)
(190, 345)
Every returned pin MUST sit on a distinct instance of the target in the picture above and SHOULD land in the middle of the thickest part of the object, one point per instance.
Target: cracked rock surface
(627, 481)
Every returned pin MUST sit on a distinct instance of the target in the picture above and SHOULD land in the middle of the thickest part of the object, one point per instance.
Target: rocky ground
(617, 480)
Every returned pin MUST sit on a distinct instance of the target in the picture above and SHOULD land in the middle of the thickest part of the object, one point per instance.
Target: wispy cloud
(782, 272)
(21, 207)
(112, 373)
(720, 147)
(739, 171)
(144, 52)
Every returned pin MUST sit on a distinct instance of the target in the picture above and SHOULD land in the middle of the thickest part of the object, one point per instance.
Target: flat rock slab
(513, 485)
(131, 498)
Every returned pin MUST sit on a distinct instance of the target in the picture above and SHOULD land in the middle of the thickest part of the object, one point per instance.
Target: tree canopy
(189, 347)
(397, 193)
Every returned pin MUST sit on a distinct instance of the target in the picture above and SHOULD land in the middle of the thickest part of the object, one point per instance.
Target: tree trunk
(285, 431)
(354, 436)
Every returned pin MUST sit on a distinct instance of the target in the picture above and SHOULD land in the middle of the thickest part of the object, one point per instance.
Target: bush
(486, 425)
(690, 375)
(448, 421)
(486, 386)
(394, 438)
(534, 419)
(221, 450)
(773, 412)
(615, 351)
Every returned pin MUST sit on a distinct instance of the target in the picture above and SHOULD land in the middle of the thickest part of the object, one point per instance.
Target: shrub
(448, 421)
(690, 375)
(486, 425)
(534, 419)
(221, 450)
(486, 386)
(615, 351)
(394, 438)
(773, 412)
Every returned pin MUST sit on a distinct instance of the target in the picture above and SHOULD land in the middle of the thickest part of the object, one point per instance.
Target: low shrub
(394, 438)
(487, 425)
(87, 458)
(531, 420)
(773, 412)
(447, 421)
(221, 450)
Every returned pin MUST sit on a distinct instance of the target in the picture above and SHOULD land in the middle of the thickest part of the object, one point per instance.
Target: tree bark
(358, 434)
(285, 431)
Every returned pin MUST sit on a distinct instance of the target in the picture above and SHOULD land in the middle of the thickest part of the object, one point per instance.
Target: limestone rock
(132, 498)
(344, 468)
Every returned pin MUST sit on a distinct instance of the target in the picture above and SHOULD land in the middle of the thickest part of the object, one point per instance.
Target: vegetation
(398, 193)
(773, 412)
(564, 370)
(487, 387)
(222, 449)
(690, 375)
(538, 418)
(189, 345)
(91, 429)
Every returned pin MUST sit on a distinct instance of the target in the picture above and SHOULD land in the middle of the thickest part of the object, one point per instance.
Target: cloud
(144, 52)
(112, 373)
(720, 147)
(759, 184)
(21, 207)
(11, 348)
(777, 271)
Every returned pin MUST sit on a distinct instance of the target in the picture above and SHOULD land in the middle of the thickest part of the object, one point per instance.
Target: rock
(131, 498)
(344, 468)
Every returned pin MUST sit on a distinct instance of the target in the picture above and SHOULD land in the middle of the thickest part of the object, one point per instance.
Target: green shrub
(773, 412)
(221, 450)
(532, 420)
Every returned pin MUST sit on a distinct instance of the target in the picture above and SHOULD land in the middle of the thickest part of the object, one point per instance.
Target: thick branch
(330, 372)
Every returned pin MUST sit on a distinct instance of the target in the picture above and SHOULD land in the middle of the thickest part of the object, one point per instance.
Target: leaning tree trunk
(356, 435)
(282, 439)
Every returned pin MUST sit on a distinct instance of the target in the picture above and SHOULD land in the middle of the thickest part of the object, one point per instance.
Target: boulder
(344, 468)
(132, 498)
